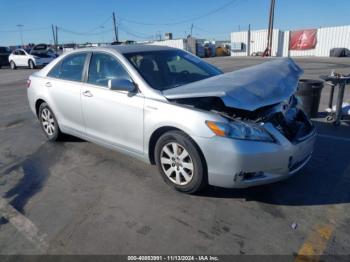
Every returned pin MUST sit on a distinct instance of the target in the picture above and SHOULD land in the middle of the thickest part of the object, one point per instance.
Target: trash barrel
(309, 92)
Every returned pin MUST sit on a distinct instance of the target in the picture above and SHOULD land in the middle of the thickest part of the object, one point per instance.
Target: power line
(211, 32)
(98, 27)
(135, 34)
(185, 20)
(83, 33)
(25, 30)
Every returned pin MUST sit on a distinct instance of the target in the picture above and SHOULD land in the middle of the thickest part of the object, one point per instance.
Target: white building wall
(258, 41)
(184, 44)
(240, 37)
(327, 38)
(332, 37)
(285, 44)
(176, 43)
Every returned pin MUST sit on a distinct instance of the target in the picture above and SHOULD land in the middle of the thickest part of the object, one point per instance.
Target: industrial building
(321, 42)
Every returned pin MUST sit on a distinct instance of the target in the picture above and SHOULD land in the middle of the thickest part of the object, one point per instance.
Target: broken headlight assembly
(240, 130)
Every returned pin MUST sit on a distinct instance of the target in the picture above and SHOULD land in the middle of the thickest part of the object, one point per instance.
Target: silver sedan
(170, 108)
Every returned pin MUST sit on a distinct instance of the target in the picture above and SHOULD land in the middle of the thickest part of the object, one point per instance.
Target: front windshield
(168, 69)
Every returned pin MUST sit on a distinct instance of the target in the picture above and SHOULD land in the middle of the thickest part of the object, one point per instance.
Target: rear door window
(70, 68)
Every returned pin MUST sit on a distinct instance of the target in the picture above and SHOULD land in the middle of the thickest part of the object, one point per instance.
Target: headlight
(239, 130)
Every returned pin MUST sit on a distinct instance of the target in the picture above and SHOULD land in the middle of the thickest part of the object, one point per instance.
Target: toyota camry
(169, 108)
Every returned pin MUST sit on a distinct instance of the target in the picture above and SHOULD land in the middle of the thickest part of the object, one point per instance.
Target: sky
(91, 20)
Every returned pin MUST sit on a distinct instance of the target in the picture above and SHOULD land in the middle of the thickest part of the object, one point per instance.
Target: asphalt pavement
(75, 197)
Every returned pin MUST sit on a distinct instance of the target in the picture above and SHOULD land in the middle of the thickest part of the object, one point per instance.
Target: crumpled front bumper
(234, 163)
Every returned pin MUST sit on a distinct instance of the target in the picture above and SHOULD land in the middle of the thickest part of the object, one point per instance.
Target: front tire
(31, 64)
(13, 65)
(49, 123)
(180, 163)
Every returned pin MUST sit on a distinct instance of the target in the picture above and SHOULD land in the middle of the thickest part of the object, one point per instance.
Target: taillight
(28, 83)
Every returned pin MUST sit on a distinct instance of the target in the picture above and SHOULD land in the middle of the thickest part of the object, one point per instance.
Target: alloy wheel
(177, 163)
(48, 122)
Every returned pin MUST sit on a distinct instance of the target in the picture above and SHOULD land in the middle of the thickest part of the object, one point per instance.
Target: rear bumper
(241, 163)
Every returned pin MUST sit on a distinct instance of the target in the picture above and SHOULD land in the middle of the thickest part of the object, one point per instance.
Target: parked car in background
(42, 50)
(23, 58)
(4, 56)
(170, 108)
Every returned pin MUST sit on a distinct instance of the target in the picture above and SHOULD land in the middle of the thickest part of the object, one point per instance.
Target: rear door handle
(48, 84)
(87, 93)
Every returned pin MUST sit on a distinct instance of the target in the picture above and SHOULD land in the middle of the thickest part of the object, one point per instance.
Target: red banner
(303, 39)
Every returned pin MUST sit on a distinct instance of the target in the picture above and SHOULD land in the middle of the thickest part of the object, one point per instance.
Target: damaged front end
(285, 116)
(249, 98)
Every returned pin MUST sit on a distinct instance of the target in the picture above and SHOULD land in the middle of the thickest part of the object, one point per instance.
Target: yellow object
(220, 51)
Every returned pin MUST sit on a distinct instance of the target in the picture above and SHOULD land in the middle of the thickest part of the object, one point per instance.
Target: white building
(327, 38)
(188, 44)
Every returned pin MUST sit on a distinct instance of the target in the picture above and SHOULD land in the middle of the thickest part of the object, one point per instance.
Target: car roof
(125, 49)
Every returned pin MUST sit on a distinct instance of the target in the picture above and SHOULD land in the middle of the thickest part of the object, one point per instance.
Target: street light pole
(20, 33)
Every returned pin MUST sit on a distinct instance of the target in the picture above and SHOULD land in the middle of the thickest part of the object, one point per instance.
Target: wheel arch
(28, 62)
(38, 102)
(162, 130)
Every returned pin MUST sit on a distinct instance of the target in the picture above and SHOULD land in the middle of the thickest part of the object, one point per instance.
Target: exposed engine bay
(285, 116)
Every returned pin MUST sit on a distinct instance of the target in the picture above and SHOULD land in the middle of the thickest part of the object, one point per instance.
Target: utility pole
(20, 33)
(248, 42)
(115, 28)
(270, 29)
(56, 36)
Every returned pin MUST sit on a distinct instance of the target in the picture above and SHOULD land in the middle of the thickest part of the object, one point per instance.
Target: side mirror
(121, 84)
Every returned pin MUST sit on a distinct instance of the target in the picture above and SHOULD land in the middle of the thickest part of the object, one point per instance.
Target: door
(64, 85)
(15, 57)
(22, 58)
(112, 117)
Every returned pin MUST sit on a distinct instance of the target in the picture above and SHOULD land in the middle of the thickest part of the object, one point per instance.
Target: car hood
(249, 88)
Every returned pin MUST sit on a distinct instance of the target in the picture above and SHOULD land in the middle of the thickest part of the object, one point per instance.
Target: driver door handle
(87, 93)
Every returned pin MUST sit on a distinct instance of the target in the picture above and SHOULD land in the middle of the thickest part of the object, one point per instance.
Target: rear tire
(49, 123)
(31, 64)
(13, 65)
(180, 162)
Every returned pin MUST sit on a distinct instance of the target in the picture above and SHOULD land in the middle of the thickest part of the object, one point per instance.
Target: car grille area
(293, 124)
